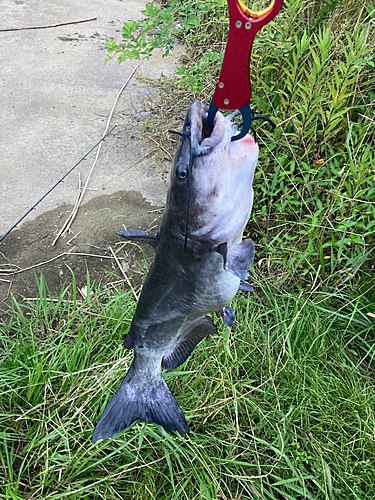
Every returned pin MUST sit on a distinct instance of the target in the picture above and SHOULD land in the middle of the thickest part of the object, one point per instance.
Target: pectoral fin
(240, 257)
(186, 346)
(139, 235)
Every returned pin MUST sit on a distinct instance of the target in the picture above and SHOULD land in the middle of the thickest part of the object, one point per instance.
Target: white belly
(215, 286)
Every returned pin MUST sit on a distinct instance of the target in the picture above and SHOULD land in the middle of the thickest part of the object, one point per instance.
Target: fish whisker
(237, 125)
(234, 114)
(175, 132)
(190, 174)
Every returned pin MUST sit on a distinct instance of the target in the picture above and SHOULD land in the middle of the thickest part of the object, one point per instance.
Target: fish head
(210, 196)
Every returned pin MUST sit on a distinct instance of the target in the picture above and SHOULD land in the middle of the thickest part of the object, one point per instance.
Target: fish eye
(182, 172)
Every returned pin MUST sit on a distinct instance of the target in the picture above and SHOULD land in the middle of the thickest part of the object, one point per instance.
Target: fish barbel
(200, 263)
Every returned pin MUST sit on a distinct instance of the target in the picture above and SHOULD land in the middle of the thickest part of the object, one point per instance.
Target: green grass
(282, 406)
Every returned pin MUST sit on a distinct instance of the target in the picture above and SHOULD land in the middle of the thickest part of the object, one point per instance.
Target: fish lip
(194, 128)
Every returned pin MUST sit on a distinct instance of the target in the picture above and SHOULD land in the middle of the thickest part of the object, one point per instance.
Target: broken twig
(73, 214)
(48, 299)
(50, 25)
(160, 146)
(71, 239)
(57, 257)
(124, 273)
(75, 205)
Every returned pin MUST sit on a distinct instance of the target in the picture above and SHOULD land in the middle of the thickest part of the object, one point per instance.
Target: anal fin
(186, 346)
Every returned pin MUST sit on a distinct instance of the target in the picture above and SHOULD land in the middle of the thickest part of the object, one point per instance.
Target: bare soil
(26, 253)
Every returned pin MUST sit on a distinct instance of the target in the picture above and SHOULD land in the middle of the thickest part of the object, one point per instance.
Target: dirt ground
(28, 252)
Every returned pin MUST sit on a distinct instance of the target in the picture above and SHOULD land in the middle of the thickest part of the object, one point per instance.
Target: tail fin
(153, 402)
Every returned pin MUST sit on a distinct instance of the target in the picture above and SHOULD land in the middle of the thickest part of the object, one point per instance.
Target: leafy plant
(143, 37)
(314, 78)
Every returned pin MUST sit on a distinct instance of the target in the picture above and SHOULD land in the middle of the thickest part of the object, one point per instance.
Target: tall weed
(279, 406)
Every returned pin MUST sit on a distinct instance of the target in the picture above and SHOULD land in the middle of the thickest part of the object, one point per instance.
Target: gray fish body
(179, 291)
(199, 263)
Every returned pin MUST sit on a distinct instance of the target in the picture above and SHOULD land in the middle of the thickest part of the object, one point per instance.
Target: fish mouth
(195, 127)
(204, 140)
(206, 132)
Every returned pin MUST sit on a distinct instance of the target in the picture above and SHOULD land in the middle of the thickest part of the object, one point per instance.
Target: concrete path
(55, 97)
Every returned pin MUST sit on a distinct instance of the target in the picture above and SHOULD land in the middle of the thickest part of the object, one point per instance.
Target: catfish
(200, 263)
